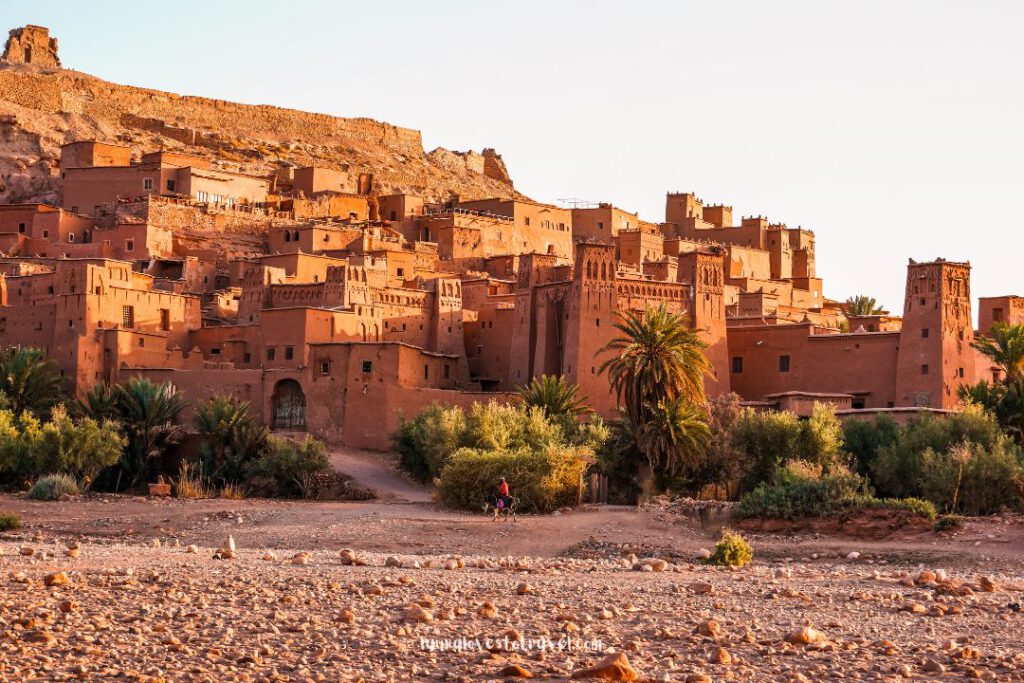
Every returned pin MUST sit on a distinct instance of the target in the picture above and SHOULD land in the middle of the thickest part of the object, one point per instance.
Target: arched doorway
(289, 405)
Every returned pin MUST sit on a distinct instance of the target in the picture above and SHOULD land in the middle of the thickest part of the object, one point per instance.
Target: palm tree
(99, 403)
(556, 396)
(657, 358)
(29, 381)
(675, 435)
(148, 413)
(230, 437)
(863, 305)
(1004, 346)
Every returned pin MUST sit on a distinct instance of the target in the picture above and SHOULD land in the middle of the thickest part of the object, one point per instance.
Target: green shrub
(732, 550)
(864, 439)
(802, 494)
(425, 443)
(948, 523)
(9, 521)
(53, 487)
(541, 480)
(288, 469)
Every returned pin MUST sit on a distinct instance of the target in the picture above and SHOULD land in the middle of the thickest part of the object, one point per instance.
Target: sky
(893, 128)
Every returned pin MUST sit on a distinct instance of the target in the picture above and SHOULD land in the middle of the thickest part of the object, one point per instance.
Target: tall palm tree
(1004, 346)
(230, 437)
(863, 305)
(29, 381)
(555, 395)
(148, 412)
(656, 359)
(675, 435)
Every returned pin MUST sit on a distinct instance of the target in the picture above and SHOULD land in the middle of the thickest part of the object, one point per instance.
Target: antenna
(576, 203)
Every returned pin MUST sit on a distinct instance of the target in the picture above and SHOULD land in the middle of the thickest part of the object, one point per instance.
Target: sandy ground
(140, 604)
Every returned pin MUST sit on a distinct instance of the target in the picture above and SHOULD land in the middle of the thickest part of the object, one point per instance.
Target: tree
(29, 381)
(148, 413)
(81, 449)
(1004, 346)
(555, 395)
(657, 358)
(863, 305)
(99, 403)
(230, 437)
(674, 436)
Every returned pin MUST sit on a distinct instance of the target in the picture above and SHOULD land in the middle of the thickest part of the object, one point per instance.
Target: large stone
(614, 667)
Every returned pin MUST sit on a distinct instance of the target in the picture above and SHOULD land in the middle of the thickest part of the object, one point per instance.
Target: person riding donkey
(504, 499)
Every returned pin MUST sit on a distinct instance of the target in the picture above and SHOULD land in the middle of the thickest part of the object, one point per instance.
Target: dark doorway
(289, 405)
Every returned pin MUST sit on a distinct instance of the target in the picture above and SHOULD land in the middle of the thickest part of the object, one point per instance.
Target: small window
(214, 352)
(857, 404)
(597, 322)
(147, 184)
(600, 225)
(142, 342)
(74, 209)
(271, 352)
(21, 227)
(426, 371)
(170, 185)
(325, 367)
(924, 333)
(129, 245)
(127, 317)
(400, 272)
(997, 315)
(71, 237)
(922, 301)
(783, 363)
(367, 366)
(960, 372)
(527, 219)
(447, 371)
(46, 234)
(289, 352)
(246, 357)
(165, 319)
(924, 369)
(737, 364)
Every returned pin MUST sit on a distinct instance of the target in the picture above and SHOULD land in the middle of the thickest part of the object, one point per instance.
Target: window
(289, 352)
(600, 225)
(271, 352)
(426, 371)
(922, 301)
(71, 237)
(597, 322)
(924, 333)
(997, 315)
(325, 367)
(165, 319)
(147, 184)
(924, 369)
(170, 185)
(128, 317)
(247, 357)
(74, 209)
(447, 371)
(367, 366)
(46, 234)
(129, 245)
(857, 404)
(214, 352)
(401, 272)
(960, 372)
(737, 364)
(783, 363)
(21, 227)
(527, 220)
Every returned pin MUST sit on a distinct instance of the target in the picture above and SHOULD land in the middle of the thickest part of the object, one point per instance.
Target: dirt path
(379, 472)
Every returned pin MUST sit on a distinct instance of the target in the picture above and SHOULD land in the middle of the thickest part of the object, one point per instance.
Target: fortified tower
(31, 45)
(935, 355)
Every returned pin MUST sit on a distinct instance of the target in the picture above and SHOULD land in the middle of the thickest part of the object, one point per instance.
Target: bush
(425, 443)
(864, 439)
(802, 494)
(288, 469)
(541, 480)
(732, 550)
(9, 521)
(948, 523)
(53, 487)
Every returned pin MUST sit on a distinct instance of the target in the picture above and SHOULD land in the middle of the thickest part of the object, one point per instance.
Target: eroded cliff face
(42, 108)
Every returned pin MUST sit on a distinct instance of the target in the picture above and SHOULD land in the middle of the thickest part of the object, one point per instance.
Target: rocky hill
(43, 106)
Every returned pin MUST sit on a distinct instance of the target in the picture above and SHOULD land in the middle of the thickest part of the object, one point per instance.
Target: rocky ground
(128, 589)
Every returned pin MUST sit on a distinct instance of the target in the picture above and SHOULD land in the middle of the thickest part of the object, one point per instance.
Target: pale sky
(892, 128)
